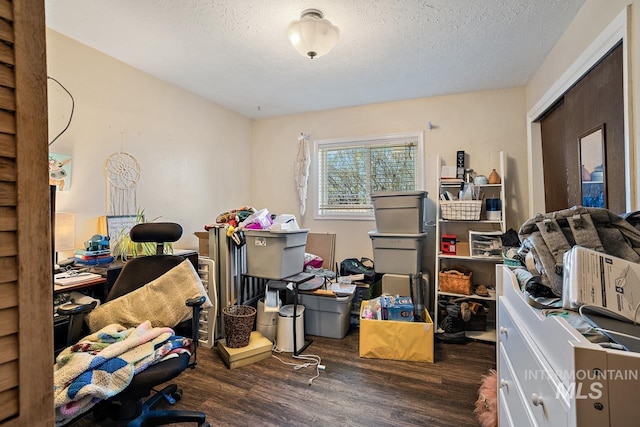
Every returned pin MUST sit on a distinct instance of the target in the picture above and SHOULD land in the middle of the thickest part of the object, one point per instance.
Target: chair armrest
(76, 313)
(193, 302)
(196, 304)
(73, 309)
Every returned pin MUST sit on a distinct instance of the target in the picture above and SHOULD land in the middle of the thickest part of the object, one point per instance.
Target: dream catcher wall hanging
(123, 173)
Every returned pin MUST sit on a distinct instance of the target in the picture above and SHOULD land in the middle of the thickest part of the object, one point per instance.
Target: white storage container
(275, 254)
(398, 253)
(400, 211)
(485, 244)
(326, 316)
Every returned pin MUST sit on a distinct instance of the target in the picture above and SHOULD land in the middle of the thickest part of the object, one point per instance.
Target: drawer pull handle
(504, 384)
(537, 400)
(503, 330)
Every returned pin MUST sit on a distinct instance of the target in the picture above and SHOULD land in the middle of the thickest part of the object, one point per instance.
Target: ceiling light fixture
(312, 35)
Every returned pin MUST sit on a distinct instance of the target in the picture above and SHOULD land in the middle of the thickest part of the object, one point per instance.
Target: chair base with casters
(129, 407)
(132, 410)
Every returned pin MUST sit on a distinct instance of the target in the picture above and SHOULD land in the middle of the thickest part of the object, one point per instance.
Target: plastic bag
(260, 220)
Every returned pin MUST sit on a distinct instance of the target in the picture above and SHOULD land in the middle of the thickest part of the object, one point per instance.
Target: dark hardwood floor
(352, 391)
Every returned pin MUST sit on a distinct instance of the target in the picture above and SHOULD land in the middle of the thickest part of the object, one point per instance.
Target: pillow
(161, 301)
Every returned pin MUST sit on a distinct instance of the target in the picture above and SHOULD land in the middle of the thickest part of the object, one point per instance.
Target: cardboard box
(259, 348)
(400, 284)
(203, 242)
(397, 308)
(598, 279)
(396, 284)
(391, 339)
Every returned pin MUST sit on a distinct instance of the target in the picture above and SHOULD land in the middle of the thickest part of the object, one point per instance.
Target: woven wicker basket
(455, 282)
(238, 324)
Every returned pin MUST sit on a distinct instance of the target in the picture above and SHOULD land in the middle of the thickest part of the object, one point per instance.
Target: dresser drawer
(513, 410)
(504, 416)
(552, 334)
(539, 384)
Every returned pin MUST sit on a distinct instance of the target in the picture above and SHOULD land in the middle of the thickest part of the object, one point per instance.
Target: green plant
(124, 247)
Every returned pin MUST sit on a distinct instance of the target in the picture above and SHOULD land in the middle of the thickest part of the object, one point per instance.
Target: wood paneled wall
(26, 324)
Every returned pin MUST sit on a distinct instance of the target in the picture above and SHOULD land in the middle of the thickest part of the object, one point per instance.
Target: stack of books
(451, 181)
(93, 257)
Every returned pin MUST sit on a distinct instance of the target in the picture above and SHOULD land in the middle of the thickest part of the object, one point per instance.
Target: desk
(99, 281)
(61, 322)
(98, 288)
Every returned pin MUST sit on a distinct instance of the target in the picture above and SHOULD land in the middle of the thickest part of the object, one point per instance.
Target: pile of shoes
(454, 314)
(452, 325)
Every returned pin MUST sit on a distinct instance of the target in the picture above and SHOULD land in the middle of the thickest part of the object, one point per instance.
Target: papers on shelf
(65, 279)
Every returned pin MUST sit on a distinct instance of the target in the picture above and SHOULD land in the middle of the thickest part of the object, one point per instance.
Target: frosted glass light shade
(312, 35)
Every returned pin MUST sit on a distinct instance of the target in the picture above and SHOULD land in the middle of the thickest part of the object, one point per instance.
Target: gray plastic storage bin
(275, 254)
(326, 316)
(398, 253)
(400, 211)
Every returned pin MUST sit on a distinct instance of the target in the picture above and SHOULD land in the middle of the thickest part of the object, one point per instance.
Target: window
(349, 170)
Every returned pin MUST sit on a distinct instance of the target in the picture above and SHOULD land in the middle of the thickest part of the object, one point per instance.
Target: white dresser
(551, 375)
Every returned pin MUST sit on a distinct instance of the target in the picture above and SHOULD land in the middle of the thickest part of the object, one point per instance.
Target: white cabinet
(549, 374)
(477, 242)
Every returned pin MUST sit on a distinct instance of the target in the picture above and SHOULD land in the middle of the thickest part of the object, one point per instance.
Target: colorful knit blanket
(103, 364)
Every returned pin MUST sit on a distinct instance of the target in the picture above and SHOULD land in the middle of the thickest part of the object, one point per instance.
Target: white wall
(190, 150)
(481, 123)
(592, 19)
(199, 159)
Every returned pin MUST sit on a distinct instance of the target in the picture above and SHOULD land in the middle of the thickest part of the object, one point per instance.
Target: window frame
(359, 141)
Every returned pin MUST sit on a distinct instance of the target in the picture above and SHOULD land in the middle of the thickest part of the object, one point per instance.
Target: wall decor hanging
(60, 171)
(123, 173)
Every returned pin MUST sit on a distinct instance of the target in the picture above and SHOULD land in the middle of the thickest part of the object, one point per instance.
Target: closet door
(596, 99)
(26, 323)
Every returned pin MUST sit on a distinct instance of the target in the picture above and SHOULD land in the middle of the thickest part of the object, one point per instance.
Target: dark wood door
(596, 99)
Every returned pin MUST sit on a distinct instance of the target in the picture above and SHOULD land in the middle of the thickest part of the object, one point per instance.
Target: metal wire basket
(461, 210)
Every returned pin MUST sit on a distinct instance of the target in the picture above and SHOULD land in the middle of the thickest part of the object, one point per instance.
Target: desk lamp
(65, 233)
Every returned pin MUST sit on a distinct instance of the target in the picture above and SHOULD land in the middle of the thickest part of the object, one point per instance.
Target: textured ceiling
(235, 52)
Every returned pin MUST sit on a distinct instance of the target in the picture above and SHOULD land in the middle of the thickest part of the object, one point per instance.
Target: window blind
(349, 172)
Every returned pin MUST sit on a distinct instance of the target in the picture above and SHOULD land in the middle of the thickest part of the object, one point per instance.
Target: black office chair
(128, 406)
